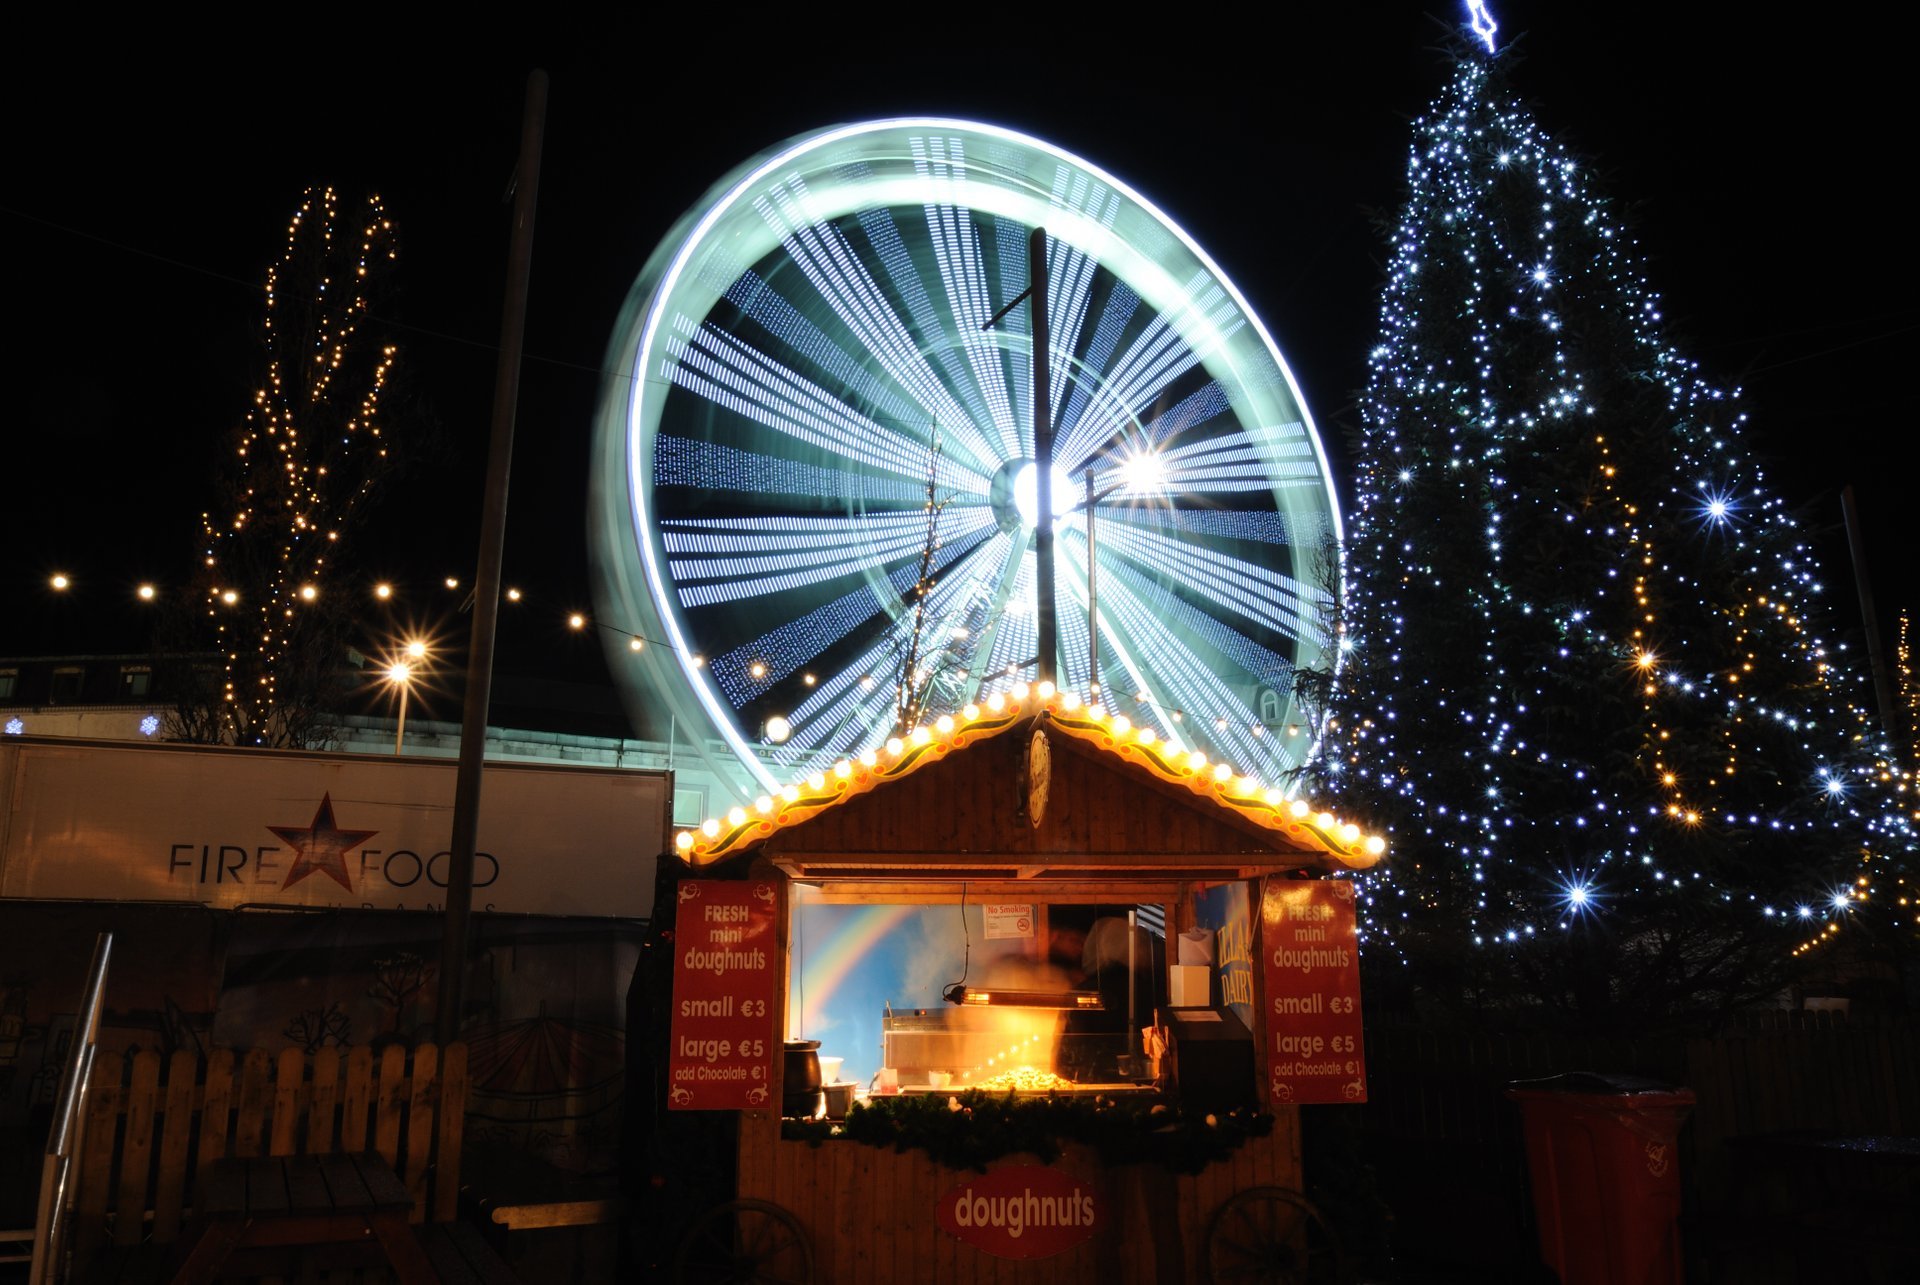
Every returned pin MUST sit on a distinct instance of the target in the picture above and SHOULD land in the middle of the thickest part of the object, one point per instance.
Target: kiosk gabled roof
(950, 801)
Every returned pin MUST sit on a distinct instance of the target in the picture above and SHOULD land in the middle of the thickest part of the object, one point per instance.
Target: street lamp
(400, 674)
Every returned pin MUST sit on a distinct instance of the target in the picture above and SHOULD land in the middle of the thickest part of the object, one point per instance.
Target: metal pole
(1133, 927)
(1093, 601)
(1876, 660)
(67, 1133)
(486, 580)
(1042, 452)
(400, 728)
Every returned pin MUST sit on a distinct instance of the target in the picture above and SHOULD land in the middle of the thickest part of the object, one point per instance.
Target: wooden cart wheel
(745, 1242)
(1271, 1236)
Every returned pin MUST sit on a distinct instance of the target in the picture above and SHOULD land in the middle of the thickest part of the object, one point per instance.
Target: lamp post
(400, 674)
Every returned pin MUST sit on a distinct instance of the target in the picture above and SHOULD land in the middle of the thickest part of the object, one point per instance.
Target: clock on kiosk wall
(1038, 775)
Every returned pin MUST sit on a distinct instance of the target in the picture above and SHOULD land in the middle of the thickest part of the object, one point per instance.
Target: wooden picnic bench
(264, 1215)
(244, 1155)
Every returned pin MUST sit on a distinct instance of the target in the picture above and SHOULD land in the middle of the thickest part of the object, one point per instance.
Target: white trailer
(222, 827)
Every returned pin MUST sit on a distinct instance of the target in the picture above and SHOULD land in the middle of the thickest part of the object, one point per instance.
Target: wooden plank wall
(870, 1212)
(153, 1124)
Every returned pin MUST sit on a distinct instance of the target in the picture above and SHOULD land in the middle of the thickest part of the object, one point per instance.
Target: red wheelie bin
(1603, 1157)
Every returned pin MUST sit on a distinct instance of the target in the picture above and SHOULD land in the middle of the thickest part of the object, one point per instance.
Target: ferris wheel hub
(1013, 495)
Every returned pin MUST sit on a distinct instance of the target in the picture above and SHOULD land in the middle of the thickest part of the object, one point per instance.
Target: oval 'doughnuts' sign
(1022, 1211)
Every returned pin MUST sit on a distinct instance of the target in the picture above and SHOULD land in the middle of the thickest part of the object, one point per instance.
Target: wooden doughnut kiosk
(1031, 798)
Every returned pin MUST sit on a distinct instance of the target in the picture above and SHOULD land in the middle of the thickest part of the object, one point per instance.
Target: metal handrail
(69, 1124)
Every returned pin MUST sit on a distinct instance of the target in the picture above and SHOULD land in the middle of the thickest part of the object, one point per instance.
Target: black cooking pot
(803, 1095)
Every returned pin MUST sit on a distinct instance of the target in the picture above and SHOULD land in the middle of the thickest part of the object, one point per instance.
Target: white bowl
(830, 1069)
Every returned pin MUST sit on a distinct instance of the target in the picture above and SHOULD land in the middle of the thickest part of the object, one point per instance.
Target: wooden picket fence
(1437, 1115)
(153, 1125)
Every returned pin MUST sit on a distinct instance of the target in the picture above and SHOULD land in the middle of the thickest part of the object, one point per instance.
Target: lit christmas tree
(1626, 770)
(304, 465)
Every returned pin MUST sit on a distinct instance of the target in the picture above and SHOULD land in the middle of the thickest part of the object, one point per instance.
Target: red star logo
(322, 846)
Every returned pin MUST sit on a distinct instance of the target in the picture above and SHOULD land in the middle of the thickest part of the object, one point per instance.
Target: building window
(135, 680)
(9, 678)
(689, 804)
(65, 687)
(1269, 706)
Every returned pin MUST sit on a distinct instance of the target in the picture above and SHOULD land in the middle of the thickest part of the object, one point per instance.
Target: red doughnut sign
(725, 996)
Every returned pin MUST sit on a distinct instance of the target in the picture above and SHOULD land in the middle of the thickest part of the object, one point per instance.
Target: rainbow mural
(850, 962)
(826, 965)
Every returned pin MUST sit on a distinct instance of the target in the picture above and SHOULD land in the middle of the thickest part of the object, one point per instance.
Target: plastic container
(1603, 1155)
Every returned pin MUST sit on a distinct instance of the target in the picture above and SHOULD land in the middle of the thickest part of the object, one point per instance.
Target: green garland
(972, 1128)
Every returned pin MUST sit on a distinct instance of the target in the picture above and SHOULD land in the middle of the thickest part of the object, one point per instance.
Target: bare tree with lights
(1593, 690)
(925, 651)
(300, 474)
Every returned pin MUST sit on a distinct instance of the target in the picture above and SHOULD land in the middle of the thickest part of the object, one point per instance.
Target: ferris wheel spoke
(939, 369)
(1189, 656)
(797, 334)
(1070, 278)
(796, 645)
(993, 610)
(1190, 699)
(1230, 646)
(960, 610)
(1249, 527)
(1260, 596)
(874, 625)
(844, 282)
(851, 696)
(852, 548)
(1245, 462)
(785, 533)
(1204, 404)
(737, 377)
(1158, 356)
(1117, 311)
(956, 250)
(708, 466)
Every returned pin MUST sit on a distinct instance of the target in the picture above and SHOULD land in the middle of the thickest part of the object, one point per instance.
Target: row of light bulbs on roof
(1118, 726)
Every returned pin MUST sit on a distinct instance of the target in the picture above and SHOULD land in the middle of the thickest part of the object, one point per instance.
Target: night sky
(144, 195)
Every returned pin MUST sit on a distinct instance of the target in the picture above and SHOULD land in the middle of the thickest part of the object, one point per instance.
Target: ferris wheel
(815, 479)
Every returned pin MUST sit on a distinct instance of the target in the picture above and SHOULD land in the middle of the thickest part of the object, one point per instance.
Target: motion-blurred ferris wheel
(802, 367)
